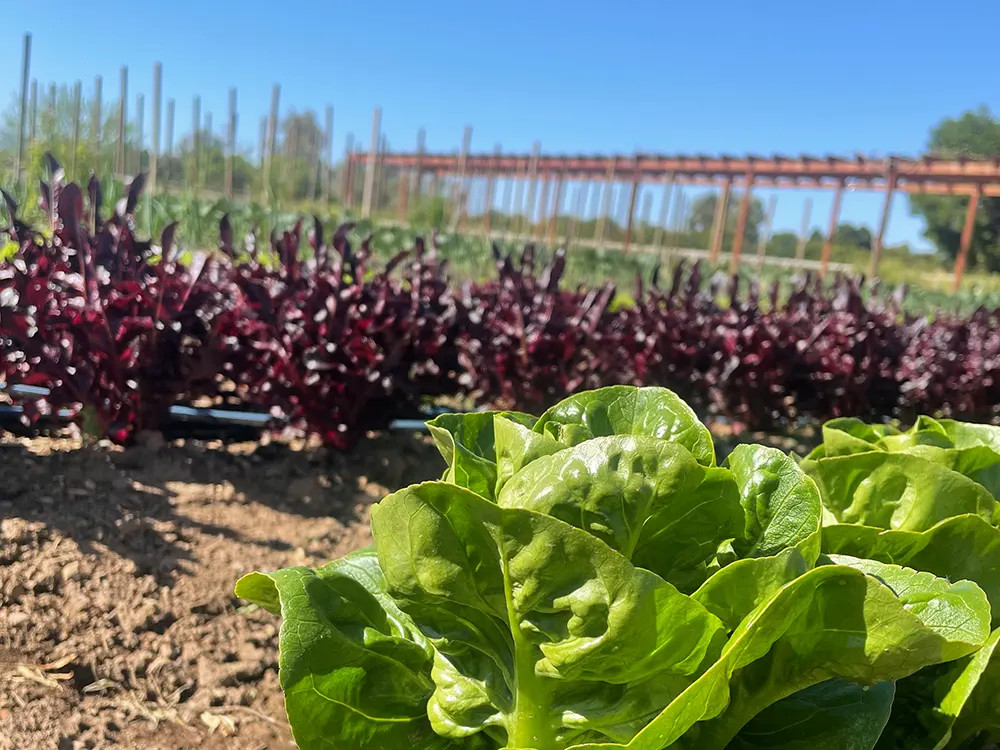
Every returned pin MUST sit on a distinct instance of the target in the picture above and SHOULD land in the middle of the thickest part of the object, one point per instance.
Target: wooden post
(519, 188)
(602, 218)
(646, 214)
(328, 167)
(154, 153)
(23, 109)
(765, 235)
(33, 117)
(630, 213)
(347, 178)
(230, 143)
(556, 205)
(369, 192)
(380, 178)
(878, 244)
(741, 226)
(196, 143)
(800, 248)
(832, 230)
(140, 108)
(508, 196)
(49, 120)
(661, 225)
(76, 128)
(404, 194)
(491, 177)
(315, 161)
(418, 171)
(96, 126)
(680, 206)
(460, 188)
(272, 130)
(536, 149)
(966, 240)
(122, 119)
(719, 221)
(169, 139)
(541, 210)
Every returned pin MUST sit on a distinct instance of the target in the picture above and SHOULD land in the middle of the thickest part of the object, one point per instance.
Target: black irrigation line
(192, 421)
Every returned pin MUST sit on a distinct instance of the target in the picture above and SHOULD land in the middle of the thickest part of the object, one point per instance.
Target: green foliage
(927, 499)
(592, 579)
(975, 133)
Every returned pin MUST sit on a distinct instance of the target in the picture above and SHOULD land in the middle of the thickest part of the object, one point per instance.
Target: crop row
(304, 324)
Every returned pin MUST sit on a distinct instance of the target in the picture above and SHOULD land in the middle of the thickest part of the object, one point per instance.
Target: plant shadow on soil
(129, 500)
(117, 570)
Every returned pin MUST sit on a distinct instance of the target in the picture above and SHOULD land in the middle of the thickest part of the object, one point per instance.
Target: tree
(974, 134)
(703, 215)
(854, 236)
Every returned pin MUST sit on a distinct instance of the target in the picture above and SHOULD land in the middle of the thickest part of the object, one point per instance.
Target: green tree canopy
(976, 133)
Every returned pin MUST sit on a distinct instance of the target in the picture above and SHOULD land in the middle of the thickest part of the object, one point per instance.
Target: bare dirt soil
(118, 623)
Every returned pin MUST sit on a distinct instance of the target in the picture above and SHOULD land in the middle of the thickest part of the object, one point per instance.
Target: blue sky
(781, 76)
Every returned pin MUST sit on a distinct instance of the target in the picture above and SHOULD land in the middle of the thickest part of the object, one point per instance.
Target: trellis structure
(974, 178)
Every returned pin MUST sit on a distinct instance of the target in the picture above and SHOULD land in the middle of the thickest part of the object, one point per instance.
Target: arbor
(975, 134)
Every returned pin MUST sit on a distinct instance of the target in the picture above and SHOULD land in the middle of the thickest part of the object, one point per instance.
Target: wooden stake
(122, 119)
(169, 139)
(140, 108)
(646, 214)
(633, 194)
(22, 110)
(602, 218)
(800, 248)
(347, 186)
(536, 149)
(460, 188)
(520, 184)
(488, 198)
(272, 131)
(765, 235)
(661, 224)
(373, 144)
(832, 230)
(741, 226)
(966, 240)
(878, 244)
(196, 144)
(76, 128)
(96, 126)
(719, 221)
(33, 121)
(556, 205)
(418, 172)
(230, 143)
(328, 160)
(154, 153)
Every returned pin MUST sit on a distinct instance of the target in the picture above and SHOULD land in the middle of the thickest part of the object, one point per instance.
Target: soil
(118, 623)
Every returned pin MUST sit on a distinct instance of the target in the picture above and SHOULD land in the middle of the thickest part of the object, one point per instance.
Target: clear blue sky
(787, 76)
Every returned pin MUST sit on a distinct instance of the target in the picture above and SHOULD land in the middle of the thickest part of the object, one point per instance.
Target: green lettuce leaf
(647, 498)
(896, 490)
(858, 620)
(565, 628)
(627, 410)
(351, 663)
(466, 441)
(833, 715)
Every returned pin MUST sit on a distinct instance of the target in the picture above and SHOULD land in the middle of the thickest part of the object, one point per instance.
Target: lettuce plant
(593, 579)
(925, 498)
